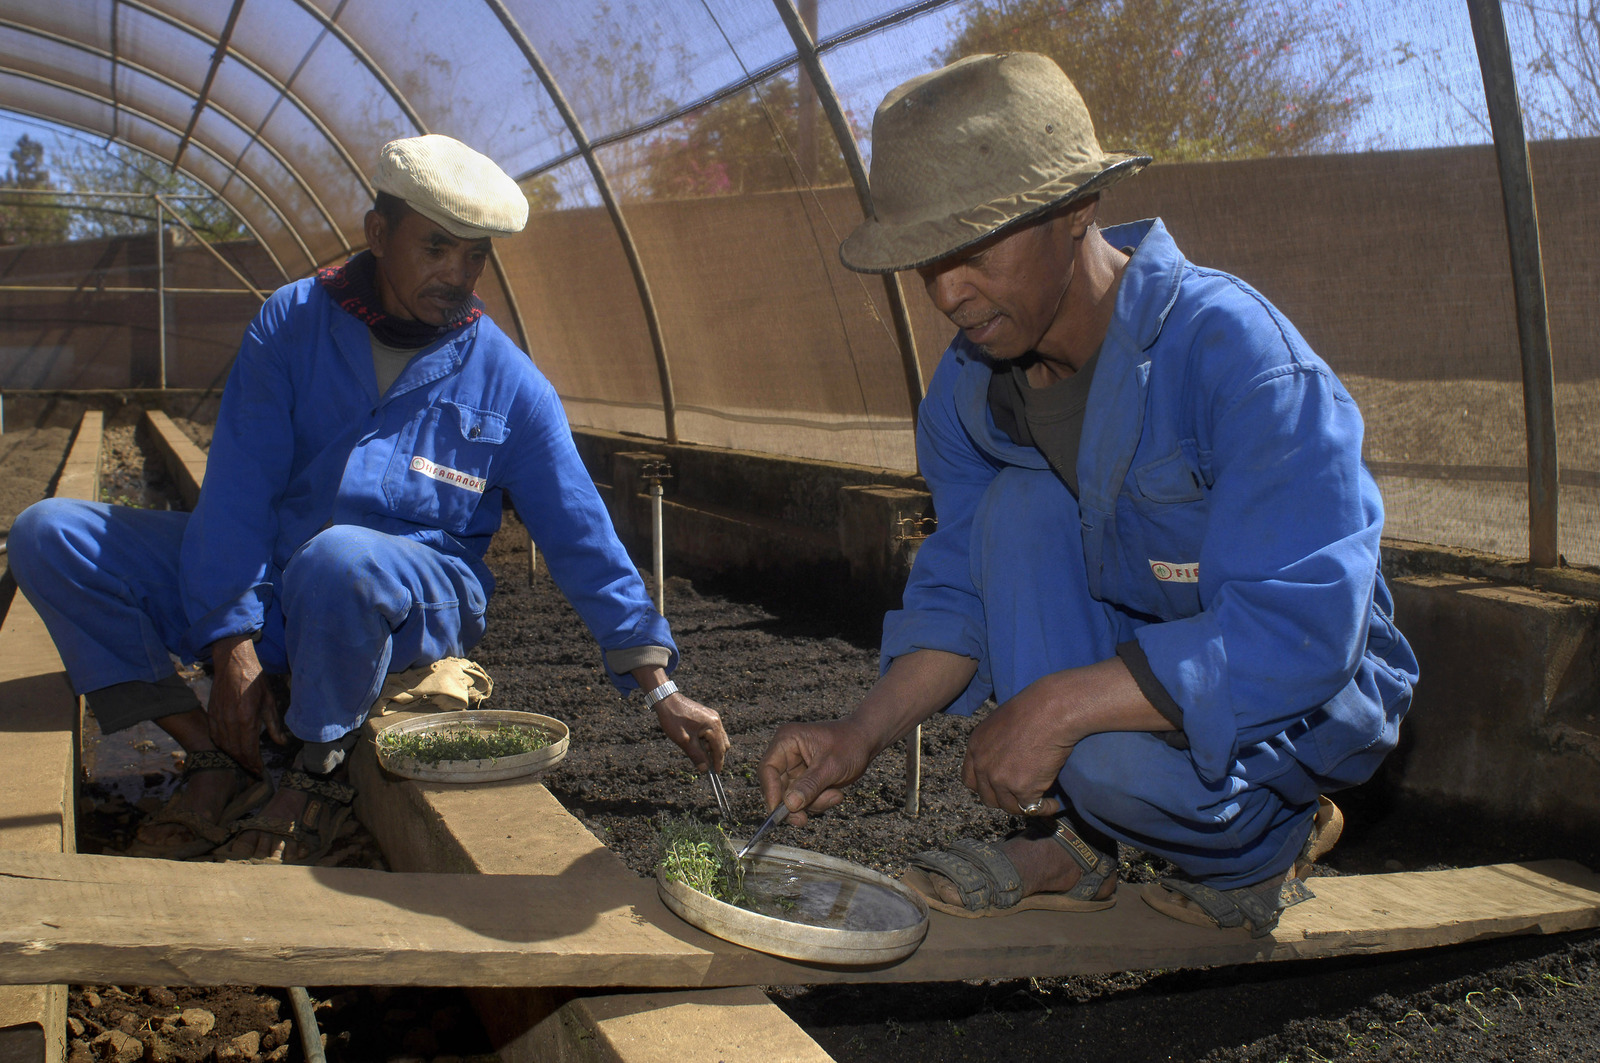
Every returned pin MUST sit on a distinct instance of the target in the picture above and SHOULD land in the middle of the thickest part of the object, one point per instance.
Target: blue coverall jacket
(1225, 518)
(304, 441)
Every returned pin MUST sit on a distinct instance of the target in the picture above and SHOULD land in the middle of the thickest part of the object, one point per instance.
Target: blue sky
(1423, 84)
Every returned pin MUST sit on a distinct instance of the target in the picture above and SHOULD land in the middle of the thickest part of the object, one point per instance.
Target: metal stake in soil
(655, 472)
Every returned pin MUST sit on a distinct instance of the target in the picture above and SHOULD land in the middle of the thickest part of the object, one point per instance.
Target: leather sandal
(1252, 908)
(310, 835)
(205, 835)
(990, 884)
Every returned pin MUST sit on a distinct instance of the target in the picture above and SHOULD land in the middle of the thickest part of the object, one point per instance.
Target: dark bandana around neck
(351, 287)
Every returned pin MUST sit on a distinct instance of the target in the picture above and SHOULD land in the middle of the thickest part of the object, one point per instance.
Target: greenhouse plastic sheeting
(1334, 154)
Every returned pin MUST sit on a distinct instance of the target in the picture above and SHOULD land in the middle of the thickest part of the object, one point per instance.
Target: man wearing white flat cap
(1157, 546)
(372, 423)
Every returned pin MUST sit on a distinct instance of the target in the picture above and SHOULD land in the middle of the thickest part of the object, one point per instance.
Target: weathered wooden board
(186, 462)
(39, 725)
(517, 827)
(66, 918)
(80, 473)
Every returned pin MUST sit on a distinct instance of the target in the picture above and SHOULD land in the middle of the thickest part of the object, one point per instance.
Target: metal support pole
(602, 183)
(806, 47)
(805, 148)
(533, 560)
(161, 287)
(1527, 278)
(655, 472)
(229, 266)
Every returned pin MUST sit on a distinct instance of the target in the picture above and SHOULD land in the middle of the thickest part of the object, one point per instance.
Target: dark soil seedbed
(762, 657)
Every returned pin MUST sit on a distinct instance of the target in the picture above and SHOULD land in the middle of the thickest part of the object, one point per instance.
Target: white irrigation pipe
(914, 771)
(660, 553)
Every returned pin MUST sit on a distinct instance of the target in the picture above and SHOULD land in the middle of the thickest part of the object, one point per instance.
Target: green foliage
(700, 856)
(114, 168)
(746, 143)
(464, 743)
(29, 219)
(1190, 79)
(542, 193)
(616, 74)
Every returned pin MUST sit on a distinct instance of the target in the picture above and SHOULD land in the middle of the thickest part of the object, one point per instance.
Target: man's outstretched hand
(241, 703)
(813, 762)
(695, 729)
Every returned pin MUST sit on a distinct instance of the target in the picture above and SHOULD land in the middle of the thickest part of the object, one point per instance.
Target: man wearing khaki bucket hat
(1157, 546)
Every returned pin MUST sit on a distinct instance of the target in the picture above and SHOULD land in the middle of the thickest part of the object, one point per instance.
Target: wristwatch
(665, 690)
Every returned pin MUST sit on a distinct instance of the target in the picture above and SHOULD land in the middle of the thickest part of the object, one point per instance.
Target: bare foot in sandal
(298, 826)
(1058, 872)
(1043, 865)
(214, 792)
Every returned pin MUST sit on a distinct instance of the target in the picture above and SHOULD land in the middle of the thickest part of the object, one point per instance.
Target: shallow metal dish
(877, 919)
(474, 771)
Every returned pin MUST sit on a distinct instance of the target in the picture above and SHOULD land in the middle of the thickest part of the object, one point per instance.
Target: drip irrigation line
(305, 1020)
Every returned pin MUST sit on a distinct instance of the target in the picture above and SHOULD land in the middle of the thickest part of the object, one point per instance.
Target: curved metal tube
(261, 72)
(179, 87)
(251, 229)
(1527, 279)
(807, 49)
(629, 249)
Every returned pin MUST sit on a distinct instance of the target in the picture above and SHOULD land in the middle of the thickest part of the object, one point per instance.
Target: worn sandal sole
(1325, 831)
(1177, 906)
(316, 827)
(918, 880)
(1181, 908)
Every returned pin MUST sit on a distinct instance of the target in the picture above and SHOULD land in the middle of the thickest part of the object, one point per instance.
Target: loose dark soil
(762, 656)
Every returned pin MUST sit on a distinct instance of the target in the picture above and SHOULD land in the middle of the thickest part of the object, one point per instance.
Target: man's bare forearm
(916, 686)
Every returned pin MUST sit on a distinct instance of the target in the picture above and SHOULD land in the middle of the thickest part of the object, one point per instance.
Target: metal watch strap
(665, 690)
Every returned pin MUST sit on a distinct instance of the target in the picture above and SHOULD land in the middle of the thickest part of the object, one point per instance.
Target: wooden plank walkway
(38, 763)
(67, 917)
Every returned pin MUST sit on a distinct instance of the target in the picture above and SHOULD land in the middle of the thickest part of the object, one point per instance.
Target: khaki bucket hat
(958, 154)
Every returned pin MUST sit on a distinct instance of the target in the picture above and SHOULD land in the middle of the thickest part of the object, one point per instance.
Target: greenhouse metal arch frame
(88, 67)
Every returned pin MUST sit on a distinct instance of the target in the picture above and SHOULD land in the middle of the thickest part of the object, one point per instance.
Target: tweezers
(720, 791)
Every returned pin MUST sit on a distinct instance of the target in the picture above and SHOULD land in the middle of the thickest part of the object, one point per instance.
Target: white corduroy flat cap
(452, 186)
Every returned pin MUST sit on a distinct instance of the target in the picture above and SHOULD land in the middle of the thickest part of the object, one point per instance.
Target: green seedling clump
(700, 856)
(464, 743)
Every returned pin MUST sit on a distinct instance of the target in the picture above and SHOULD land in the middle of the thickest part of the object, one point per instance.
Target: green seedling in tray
(700, 856)
(464, 743)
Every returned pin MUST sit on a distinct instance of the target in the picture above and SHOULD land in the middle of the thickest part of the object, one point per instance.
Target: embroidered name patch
(449, 476)
(1176, 571)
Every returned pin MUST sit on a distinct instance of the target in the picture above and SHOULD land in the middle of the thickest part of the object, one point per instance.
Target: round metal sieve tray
(831, 910)
(475, 771)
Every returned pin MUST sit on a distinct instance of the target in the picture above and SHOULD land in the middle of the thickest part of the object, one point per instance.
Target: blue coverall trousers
(1134, 786)
(351, 606)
